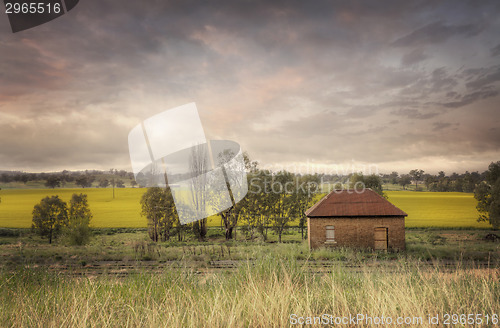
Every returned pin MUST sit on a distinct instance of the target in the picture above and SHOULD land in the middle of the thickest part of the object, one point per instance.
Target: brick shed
(362, 219)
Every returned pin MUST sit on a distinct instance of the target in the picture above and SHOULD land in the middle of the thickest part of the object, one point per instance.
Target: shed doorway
(381, 238)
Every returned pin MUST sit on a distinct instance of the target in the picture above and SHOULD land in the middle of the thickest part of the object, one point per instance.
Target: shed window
(330, 233)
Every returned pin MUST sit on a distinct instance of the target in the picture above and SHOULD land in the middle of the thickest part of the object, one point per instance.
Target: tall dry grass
(263, 293)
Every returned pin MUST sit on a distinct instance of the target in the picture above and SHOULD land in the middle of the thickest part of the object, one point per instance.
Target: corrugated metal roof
(351, 203)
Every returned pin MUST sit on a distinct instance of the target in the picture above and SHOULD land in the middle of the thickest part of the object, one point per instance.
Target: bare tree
(198, 166)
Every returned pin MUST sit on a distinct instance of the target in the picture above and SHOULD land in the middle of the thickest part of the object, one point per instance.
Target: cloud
(484, 80)
(415, 56)
(471, 98)
(438, 126)
(288, 80)
(495, 51)
(437, 32)
(414, 114)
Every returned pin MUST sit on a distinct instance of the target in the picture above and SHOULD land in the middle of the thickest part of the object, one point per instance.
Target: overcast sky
(392, 84)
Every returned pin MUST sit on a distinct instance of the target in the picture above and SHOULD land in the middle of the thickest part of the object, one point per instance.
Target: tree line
(83, 179)
(465, 182)
(274, 199)
(272, 202)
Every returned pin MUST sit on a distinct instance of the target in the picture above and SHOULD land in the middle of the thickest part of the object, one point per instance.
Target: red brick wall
(356, 232)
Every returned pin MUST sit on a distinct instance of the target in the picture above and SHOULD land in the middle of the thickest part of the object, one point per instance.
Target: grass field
(425, 209)
(272, 292)
(125, 280)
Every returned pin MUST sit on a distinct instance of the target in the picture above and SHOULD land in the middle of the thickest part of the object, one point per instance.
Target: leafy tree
(416, 175)
(159, 208)
(53, 181)
(24, 178)
(404, 180)
(429, 180)
(85, 181)
(153, 208)
(120, 184)
(487, 194)
(133, 183)
(371, 181)
(78, 229)
(285, 199)
(308, 187)
(258, 201)
(5, 178)
(103, 183)
(170, 217)
(50, 216)
(394, 177)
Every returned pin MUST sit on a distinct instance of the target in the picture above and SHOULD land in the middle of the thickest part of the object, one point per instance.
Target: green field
(425, 209)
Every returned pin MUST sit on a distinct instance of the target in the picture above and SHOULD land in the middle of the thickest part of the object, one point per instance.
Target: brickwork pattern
(356, 232)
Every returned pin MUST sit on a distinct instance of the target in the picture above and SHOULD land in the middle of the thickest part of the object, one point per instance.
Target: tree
(5, 178)
(429, 180)
(285, 200)
(153, 208)
(416, 175)
(159, 208)
(170, 217)
(404, 180)
(85, 181)
(103, 183)
(371, 181)
(133, 183)
(394, 177)
(257, 207)
(49, 216)
(198, 166)
(308, 187)
(24, 178)
(233, 179)
(78, 229)
(53, 181)
(487, 193)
